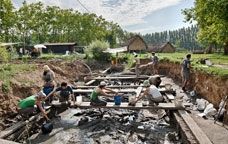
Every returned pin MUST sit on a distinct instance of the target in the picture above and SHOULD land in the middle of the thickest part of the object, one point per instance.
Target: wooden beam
(168, 106)
(196, 130)
(91, 90)
(162, 90)
(120, 78)
(200, 136)
(114, 86)
(3, 141)
(170, 96)
(105, 71)
(90, 82)
(5, 133)
(138, 91)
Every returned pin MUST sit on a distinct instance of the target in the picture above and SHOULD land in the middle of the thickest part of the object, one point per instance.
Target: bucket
(47, 128)
(79, 99)
(131, 98)
(117, 100)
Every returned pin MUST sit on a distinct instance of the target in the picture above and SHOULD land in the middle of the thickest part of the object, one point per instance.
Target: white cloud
(123, 12)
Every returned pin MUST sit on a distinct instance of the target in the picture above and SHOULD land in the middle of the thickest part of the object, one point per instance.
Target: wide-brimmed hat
(46, 67)
(146, 83)
(103, 83)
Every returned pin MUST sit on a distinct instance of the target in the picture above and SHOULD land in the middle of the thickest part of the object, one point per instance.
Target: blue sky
(141, 16)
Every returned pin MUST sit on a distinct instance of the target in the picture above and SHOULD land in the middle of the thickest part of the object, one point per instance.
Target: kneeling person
(100, 91)
(27, 105)
(64, 92)
(152, 92)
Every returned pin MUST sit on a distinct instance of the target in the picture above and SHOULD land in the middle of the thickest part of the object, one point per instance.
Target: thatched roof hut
(136, 43)
(162, 48)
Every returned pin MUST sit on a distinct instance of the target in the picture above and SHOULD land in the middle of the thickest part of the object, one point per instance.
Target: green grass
(178, 57)
(7, 71)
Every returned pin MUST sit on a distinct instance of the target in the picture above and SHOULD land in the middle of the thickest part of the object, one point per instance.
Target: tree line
(35, 23)
(183, 38)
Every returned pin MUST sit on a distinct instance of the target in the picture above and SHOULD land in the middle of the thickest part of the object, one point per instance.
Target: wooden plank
(168, 106)
(196, 130)
(5, 133)
(162, 90)
(114, 86)
(91, 90)
(90, 82)
(138, 91)
(119, 78)
(105, 71)
(170, 96)
(3, 141)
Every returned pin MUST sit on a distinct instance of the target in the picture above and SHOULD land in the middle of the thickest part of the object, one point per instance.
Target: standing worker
(185, 70)
(100, 91)
(154, 60)
(49, 84)
(137, 64)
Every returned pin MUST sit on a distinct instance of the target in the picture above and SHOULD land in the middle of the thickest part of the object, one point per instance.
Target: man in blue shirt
(185, 70)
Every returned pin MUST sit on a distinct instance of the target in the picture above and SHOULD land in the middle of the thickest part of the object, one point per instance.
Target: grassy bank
(7, 71)
(219, 67)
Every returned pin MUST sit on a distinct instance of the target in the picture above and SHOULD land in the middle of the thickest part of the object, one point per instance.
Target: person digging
(33, 104)
(100, 90)
(152, 93)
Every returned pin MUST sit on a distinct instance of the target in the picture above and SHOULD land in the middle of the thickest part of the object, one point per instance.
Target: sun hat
(146, 83)
(46, 67)
(103, 83)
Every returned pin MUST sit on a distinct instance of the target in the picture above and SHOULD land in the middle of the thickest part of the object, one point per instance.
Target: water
(112, 126)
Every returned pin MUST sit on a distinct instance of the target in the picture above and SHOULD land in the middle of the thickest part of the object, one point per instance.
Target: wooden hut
(59, 48)
(162, 48)
(136, 44)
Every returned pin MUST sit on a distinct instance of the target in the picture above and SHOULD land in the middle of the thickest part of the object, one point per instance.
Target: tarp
(116, 50)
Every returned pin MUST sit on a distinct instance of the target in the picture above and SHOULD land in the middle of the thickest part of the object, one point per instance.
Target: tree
(7, 20)
(212, 19)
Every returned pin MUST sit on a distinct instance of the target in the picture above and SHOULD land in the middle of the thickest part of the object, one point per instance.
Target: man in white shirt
(152, 92)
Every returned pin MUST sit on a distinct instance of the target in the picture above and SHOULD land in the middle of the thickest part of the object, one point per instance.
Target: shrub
(4, 55)
(95, 50)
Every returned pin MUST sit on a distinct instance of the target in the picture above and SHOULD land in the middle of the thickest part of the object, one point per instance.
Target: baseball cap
(146, 83)
(103, 83)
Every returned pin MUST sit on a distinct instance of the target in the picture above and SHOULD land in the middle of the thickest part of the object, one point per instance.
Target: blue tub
(117, 100)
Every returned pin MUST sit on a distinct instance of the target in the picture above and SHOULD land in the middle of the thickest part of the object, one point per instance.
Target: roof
(158, 47)
(116, 50)
(54, 44)
(131, 40)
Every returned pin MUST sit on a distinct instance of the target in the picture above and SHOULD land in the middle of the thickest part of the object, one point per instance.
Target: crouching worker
(33, 104)
(152, 92)
(100, 91)
(65, 93)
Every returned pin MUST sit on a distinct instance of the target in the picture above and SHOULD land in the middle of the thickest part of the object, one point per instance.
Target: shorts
(185, 75)
(98, 102)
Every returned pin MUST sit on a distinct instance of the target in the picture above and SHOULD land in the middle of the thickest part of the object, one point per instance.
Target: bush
(4, 55)
(95, 50)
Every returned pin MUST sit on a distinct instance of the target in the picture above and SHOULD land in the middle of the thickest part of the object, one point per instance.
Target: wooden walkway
(124, 105)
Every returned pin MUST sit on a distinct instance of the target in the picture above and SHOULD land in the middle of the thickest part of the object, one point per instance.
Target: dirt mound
(28, 83)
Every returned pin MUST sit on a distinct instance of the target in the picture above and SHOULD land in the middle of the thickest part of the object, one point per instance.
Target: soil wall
(210, 87)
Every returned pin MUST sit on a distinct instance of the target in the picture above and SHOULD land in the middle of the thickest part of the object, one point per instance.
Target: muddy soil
(111, 126)
(29, 83)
